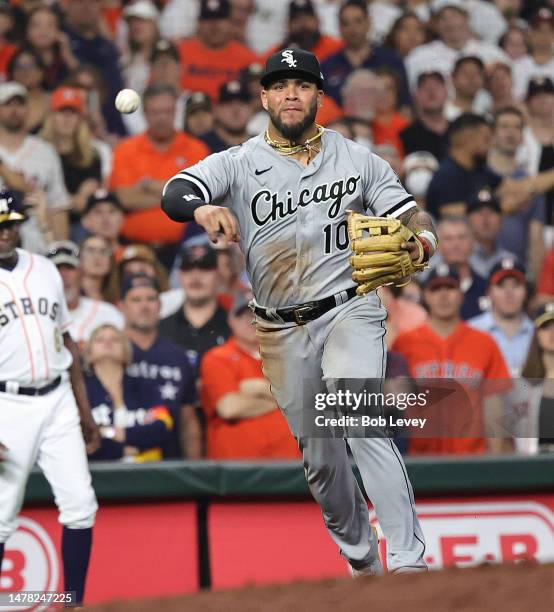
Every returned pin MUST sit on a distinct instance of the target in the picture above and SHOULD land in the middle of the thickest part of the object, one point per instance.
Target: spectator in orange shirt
(304, 32)
(446, 347)
(243, 420)
(141, 166)
(213, 57)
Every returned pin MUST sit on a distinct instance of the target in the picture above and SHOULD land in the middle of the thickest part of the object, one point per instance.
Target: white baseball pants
(45, 430)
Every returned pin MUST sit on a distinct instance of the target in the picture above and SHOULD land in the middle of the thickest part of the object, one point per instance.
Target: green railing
(215, 479)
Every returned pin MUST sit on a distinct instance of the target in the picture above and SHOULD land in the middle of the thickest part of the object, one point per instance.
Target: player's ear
(319, 98)
(263, 96)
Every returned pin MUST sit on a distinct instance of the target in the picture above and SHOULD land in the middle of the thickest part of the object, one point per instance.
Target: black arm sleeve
(180, 199)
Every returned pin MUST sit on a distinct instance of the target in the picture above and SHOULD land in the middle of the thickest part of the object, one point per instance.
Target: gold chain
(283, 148)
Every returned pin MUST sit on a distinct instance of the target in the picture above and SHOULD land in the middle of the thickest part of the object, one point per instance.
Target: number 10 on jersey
(336, 236)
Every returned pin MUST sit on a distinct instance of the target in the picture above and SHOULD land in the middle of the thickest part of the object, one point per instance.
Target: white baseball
(127, 101)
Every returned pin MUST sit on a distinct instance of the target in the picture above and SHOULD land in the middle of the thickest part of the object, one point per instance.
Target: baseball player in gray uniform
(284, 196)
(44, 410)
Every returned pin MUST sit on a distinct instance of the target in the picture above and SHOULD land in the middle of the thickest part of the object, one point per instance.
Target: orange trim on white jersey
(33, 371)
(37, 320)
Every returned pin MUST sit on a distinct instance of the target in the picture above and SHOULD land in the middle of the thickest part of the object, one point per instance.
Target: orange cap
(68, 97)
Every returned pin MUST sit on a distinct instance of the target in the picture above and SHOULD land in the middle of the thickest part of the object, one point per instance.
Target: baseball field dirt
(509, 588)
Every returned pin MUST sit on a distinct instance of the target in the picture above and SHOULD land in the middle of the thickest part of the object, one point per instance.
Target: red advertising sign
(270, 543)
(260, 543)
(139, 550)
(499, 530)
(149, 550)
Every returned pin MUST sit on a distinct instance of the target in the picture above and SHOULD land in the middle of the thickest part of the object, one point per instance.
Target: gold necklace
(284, 148)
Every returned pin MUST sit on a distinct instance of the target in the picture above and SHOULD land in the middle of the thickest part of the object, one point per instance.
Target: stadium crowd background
(458, 95)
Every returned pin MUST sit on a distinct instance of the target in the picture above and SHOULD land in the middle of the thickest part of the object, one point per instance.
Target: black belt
(32, 390)
(305, 312)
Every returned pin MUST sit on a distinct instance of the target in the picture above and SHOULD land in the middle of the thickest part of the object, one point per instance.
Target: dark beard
(293, 132)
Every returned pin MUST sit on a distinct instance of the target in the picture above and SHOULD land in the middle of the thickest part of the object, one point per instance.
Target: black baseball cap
(544, 314)
(301, 7)
(507, 268)
(252, 72)
(100, 196)
(234, 90)
(201, 256)
(543, 15)
(296, 62)
(165, 47)
(10, 209)
(484, 198)
(198, 101)
(215, 9)
(443, 275)
(539, 84)
(132, 281)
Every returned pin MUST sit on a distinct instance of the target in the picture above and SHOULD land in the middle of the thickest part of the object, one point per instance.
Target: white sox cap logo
(289, 59)
(4, 206)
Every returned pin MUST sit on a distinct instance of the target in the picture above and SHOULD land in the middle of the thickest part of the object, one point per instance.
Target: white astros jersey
(292, 218)
(33, 318)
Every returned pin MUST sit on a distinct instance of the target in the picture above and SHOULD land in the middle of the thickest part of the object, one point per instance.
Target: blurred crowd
(457, 95)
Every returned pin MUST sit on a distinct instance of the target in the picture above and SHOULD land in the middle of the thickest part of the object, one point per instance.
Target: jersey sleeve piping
(198, 183)
(401, 207)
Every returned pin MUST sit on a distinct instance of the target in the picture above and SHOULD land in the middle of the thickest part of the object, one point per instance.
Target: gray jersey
(292, 218)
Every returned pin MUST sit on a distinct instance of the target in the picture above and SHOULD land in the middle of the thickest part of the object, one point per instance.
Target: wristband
(428, 237)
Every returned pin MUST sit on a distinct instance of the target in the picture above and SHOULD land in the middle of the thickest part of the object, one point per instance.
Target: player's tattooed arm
(422, 225)
(91, 433)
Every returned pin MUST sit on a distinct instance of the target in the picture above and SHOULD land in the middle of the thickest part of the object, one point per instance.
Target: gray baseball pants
(345, 342)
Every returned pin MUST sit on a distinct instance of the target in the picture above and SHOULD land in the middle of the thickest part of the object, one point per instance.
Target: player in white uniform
(44, 410)
(287, 194)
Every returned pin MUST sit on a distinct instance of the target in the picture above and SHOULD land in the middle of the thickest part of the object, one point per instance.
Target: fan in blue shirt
(160, 368)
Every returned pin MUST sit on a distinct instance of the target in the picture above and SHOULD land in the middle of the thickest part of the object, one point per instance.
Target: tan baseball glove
(379, 259)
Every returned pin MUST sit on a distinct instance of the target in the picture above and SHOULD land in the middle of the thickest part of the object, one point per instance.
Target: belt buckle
(299, 314)
(12, 387)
